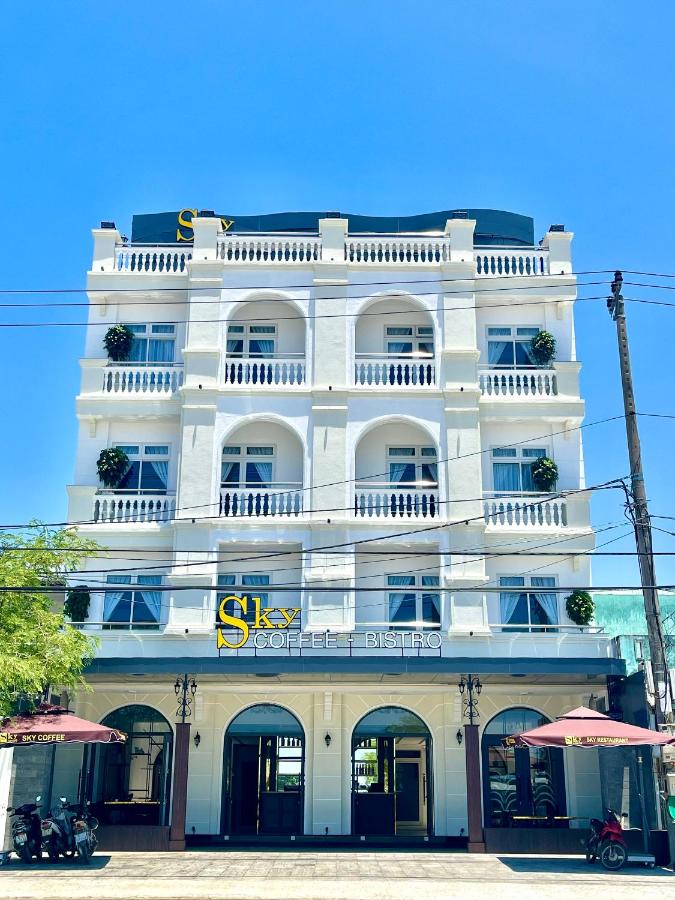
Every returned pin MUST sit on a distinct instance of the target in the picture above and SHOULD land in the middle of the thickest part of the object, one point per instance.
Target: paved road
(327, 875)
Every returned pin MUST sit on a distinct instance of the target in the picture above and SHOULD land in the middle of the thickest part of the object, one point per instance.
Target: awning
(584, 727)
(54, 725)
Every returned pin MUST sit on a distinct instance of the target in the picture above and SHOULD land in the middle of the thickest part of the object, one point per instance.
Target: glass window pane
(156, 450)
(500, 353)
(429, 472)
(137, 329)
(129, 449)
(534, 452)
(527, 479)
(402, 608)
(226, 580)
(499, 332)
(258, 474)
(504, 451)
(235, 329)
(141, 609)
(263, 329)
(400, 472)
(425, 330)
(118, 579)
(542, 581)
(154, 476)
(506, 476)
(260, 347)
(425, 347)
(524, 355)
(430, 580)
(260, 451)
(149, 579)
(428, 451)
(393, 330)
(527, 332)
(139, 350)
(519, 615)
(160, 350)
(131, 480)
(401, 580)
(255, 579)
(163, 329)
(401, 451)
(395, 347)
(229, 473)
(231, 451)
(235, 346)
(431, 608)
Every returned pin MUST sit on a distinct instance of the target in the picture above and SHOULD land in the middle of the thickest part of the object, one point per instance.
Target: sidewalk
(325, 875)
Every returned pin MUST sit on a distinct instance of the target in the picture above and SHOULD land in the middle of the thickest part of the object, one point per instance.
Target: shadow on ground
(566, 865)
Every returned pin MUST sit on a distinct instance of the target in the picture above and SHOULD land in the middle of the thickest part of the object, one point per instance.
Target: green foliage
(544, 474)
(112, 465)
(76, 606)
(580, 607)
(543, 348)
(117, 342)
(38, 647)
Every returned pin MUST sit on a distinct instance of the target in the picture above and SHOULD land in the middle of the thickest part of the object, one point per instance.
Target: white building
(339, 416)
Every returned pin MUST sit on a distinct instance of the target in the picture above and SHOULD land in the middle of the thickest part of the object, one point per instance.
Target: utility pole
(640, 513)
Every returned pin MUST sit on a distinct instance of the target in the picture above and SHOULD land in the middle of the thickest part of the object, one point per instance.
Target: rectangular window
(528, 601)
(248, 467)
(252, 341)
(412, 466)
(148, 471)
(153, 344)
(409, 340)
(132, 603)
(413, 608)
(251, 585)
(510, 348)
(515, 475)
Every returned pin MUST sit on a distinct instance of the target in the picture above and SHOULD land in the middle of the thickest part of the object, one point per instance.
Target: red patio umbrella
(584, 727)
(54, 725)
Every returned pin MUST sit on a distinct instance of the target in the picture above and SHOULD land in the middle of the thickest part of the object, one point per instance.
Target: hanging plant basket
(544, 474)
(112, 466)
(76, 606)
(543, 348)
(580, 607)
(117, 342)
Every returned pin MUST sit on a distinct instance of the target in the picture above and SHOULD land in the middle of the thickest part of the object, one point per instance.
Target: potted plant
(543, 348)
(112, 466)
(76, 606)
(544, 474)
(580, 607)
(117, 342)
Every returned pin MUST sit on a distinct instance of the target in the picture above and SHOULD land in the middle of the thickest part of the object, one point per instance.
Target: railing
(525, 511)
(162, 260)
(281, 248)
(400, 249)
(375, 500)
(265, 371)
(518, 382)
(538, 629)
(491, 261)
(283, 499)
(142, 379)
(373, 370)
(124, 507)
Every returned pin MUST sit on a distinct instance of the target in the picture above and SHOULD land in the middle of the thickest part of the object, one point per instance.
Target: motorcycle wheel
(25, 854)
(613, 855)
(84, 852)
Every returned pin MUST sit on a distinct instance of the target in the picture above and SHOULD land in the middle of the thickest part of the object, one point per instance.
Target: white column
(105, 240)
(559, 246)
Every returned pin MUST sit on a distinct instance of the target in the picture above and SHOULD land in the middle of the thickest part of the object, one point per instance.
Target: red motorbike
(606, 842)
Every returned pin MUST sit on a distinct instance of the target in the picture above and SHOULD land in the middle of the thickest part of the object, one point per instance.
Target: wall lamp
(327, 739)
(459, 736)
(197, 739)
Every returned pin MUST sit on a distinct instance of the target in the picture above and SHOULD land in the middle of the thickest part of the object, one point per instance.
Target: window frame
(415, 339)
(246, 336)
(518, 459)
(417, 587)
(513, 340)
(140, 458)
(133, 587)
(418, 459)
(529, 590)
(150, 335)
(242, 459)
(239, 589)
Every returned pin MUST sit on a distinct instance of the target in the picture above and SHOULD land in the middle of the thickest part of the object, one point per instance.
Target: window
(527, 602)
(252, 585)
(513, 473)
(410, 340)
(414, 466)
(152, 343)
(253, 341)
(132, 603)
(414, 608)
(511, 347)
(247, 467)
(148, 470)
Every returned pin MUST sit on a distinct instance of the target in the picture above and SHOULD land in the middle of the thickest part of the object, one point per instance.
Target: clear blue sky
(560, 111)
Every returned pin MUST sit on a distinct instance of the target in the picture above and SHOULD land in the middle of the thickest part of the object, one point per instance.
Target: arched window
(391, 773)
(263, 772)
(522, 786)
(130, 783)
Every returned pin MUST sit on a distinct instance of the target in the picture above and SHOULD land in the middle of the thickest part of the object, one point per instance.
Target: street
(328, 875)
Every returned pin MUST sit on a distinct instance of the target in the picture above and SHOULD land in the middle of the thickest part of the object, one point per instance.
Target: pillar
(473, 789)
(180, 779)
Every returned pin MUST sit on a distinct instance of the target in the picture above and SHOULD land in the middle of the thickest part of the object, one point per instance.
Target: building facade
(329, 425)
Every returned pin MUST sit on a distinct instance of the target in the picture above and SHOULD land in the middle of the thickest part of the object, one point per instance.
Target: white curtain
(152, 599)
(160, 351)
(161, 470)
(547, 601)
(509, 599)
(506, 477)
(397, 471)
(396, 600)
(258, 473)
(497, 353)
(111, 602)
(227, 475)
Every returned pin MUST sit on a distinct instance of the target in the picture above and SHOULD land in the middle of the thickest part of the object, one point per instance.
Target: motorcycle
(69, 831)
(606, 842)
(26, 833)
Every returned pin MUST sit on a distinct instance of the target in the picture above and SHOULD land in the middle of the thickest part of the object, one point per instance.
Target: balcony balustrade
(383, 370)
(151, 259)
(378, 500)
(517, 383)
(137, 378)
(270, 248)
(278, 499)
(127, 506)
(387, 250)
(492, 262)
(526, 511)
(289, 372)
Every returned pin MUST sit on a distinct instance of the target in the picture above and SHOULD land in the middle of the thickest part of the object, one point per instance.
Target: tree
(39, 648)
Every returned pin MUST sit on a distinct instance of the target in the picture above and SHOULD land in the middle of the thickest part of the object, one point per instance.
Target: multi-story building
(334, 417)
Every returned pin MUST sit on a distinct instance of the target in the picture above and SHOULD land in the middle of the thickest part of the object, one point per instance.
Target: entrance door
(244, 788)
(410, 779)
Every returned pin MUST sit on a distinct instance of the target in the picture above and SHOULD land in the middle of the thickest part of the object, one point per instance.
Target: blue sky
(559, 111)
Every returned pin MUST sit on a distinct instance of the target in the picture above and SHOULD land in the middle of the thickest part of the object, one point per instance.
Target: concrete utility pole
(640, 511)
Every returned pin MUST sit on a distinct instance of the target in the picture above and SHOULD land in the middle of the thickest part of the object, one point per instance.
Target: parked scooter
(606, 842)
(69, 831)
(26, 833)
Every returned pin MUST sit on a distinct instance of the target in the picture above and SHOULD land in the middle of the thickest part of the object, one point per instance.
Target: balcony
(382, 370)
(517, 383)
(375, 500)
(124, 506)
(269, 249)
(135, 378)
(152, 260)
(274, 500)
(492, 262)
(396, 250)
(525, 511)
(287, 372)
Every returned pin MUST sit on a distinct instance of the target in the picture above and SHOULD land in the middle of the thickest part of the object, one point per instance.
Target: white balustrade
(525, 512)
(287, 372)
(142, 379)
(123, 507)
(518, 382)
(398, 249)
(495, 261)
(394, 371)
(153, 260)
(381, 501)
(261, 502)
(269, 248)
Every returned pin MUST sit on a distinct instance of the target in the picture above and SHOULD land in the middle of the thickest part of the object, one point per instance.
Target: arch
(252, 418)
(379, 421)
(380, 296)
(263, 772)
(524, 782)
(274, 296)
(392, 773)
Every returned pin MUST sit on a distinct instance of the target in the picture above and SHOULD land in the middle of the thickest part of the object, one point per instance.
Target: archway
(521, 785)
(130, 783)
(394, 343)
(263, 772)
(391, 774)
(266, 343)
